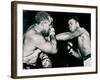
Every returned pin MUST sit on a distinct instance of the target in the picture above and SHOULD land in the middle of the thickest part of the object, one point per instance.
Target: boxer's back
(30, 51)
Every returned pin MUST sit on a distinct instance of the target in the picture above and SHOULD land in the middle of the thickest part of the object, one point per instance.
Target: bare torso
(84, 43)
(35, 43)
(30, 51)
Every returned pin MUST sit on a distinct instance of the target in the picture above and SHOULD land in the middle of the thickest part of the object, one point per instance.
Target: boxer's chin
(71, 30)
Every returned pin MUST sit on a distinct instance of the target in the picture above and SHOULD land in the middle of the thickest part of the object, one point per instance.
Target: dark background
(60, 23)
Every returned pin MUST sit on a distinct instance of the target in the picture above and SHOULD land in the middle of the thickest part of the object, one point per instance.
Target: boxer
(39, 40)
(83, 39)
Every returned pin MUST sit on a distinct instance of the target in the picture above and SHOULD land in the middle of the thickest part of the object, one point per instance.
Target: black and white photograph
(54, 39)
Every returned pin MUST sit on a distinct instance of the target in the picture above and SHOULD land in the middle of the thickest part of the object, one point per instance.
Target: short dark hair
(41, 16)
(75, 18)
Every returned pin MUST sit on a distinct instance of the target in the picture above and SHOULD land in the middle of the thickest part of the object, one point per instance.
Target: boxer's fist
(46, 62)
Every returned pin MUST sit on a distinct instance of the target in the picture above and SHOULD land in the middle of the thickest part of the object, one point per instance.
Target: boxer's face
(72, 25)
(47, 24)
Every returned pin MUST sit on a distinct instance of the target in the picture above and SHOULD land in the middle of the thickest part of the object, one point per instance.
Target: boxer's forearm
(69, 35)
(53, 42)
(53, 39)
(64, 36)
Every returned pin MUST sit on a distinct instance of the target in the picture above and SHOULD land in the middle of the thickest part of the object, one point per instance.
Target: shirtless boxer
(84, 42)
(39, 40)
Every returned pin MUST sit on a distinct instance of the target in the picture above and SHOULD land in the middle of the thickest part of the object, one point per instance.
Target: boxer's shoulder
(30, 33)
(85, 32)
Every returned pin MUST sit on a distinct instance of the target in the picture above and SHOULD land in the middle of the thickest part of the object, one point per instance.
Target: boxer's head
(73, 24)
(45, 20)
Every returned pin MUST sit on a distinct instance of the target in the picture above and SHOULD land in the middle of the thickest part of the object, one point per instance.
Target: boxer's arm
(46, 46)
(63, 36)
(53, 37)
(69, 35)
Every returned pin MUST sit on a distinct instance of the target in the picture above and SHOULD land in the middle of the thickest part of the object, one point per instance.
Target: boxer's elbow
(86, 52)
(54, 51)
(53, 48)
